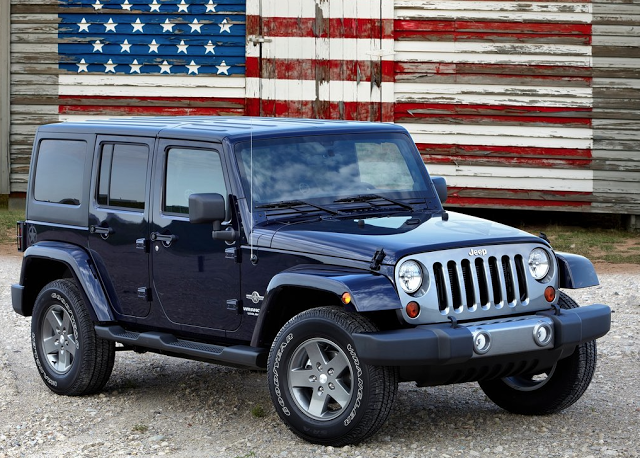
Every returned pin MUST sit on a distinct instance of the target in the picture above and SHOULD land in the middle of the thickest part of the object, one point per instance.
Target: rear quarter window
(59, 171)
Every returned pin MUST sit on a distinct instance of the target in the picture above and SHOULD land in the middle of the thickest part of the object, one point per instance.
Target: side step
(236, 355)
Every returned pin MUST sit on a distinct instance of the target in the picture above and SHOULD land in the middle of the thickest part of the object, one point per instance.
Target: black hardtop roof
(217, 128)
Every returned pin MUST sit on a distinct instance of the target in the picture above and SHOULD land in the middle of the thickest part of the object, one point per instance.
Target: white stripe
(524, 136)
(491, 48)
(361, 9)
(333, 91)
(488, 177)
(339, 48)
(151, 86)
(506, 59)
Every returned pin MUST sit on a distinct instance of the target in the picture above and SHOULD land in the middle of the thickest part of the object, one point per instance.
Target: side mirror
(441, 187)
(206, 208)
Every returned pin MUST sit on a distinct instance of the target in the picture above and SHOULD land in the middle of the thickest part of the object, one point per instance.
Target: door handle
(166, 239)
(104, 232)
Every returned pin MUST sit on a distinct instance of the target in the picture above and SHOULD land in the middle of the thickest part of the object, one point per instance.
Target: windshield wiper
(285, 204)
(369, 197)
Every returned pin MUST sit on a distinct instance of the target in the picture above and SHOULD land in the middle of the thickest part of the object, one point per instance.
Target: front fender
(369, 291)
(575, 271)
(80, 264)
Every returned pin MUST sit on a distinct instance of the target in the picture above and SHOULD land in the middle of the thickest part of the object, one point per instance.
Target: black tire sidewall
(285, 346)
(59, 383)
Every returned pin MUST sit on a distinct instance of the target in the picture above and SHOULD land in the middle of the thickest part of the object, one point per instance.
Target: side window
(60, 171)
(191, 171)
(123, 175)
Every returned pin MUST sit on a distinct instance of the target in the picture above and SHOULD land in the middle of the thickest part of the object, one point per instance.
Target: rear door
(194, 281)
(119, 220)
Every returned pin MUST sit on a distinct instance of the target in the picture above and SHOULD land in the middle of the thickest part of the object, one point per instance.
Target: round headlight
(538, 263)
(410, 275)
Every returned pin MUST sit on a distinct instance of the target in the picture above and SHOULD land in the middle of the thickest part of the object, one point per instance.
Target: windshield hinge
(377, 259)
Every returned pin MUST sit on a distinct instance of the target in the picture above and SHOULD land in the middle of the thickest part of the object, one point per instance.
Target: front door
(193, 280)
(119, 220)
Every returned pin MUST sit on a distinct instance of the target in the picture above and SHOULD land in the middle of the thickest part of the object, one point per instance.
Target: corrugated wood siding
(616, 105)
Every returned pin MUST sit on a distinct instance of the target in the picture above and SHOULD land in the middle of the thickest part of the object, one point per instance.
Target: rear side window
(123, 175)
(60, 171)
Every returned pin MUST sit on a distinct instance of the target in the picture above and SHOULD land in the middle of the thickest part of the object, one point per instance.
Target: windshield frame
(426, 198)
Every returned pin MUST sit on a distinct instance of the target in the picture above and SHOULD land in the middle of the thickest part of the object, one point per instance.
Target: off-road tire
(323, 335)
(566, 382)
(60, 319)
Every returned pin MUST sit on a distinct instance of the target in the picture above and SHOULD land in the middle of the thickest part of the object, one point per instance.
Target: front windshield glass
(324, 169)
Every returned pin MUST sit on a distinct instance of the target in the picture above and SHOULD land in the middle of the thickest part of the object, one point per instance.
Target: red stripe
(429, 149)
(513, 198)
(320, 70)
(532, 71)
(511, 161)
(107, 105)
(326, 28)
(544, 28)
(359, 111)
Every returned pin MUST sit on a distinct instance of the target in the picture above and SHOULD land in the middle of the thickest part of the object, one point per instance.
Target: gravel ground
(155, 405)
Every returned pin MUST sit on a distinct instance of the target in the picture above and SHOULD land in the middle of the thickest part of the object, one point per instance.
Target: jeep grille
(480, 283)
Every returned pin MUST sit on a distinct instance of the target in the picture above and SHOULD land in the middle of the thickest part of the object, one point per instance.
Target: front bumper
(442, 344)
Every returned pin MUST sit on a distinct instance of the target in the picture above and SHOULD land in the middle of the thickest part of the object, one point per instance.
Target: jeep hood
(399, 236)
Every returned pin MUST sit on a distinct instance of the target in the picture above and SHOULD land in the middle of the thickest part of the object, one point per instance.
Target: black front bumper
(443, 344)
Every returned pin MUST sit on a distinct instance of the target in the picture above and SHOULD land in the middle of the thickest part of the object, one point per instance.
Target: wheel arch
(49, 261)
(306, 287)
(575, 271)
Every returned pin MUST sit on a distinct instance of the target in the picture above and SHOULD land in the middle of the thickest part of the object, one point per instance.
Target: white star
(138, 26)
(209, 47)
(110, 67)
(195, 26)
(211, 7)
(126, 5)
(125, 47)
(110, 25)
(223, 68)
(167, 26)
(84, 25)
(82, 66)
(155, 6)
(182, 47)
(165, 67)
(97, 5)
(225, 26)
(97, 46)
(183, 7)
(153, 47)
(135, 66)
(193, 68)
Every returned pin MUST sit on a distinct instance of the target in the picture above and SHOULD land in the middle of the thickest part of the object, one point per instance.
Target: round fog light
(542, 334)
(481, 342)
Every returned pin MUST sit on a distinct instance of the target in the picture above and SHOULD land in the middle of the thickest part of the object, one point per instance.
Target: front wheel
(69, 356)
(319, 386)
(552, 390)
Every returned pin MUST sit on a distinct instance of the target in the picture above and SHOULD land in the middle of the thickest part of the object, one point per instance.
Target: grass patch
(140, 428)
(609, 245)
(258, 411)
(8, 220)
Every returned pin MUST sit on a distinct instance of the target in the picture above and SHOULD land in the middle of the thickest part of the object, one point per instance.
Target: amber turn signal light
(550, 293)
(346, 298)
(413, 309)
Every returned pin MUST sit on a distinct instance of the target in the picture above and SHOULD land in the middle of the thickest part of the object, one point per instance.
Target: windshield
(331, 169)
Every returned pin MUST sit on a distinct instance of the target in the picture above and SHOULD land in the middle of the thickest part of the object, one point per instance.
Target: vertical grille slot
(482, 282)
(456, 297)
(522, 279)
(441, 287)
(495, 280)
(508, 279)
(467, 277)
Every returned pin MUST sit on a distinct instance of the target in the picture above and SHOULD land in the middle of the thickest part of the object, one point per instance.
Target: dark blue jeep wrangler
(317, 250)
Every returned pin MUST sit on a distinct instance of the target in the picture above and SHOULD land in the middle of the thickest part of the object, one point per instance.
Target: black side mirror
(441, 187)
(206, 208)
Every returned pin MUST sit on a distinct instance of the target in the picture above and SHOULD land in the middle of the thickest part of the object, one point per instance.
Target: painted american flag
(497, 94)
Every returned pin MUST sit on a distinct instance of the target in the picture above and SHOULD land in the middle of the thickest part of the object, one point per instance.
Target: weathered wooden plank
(461, 68)
(497, 79)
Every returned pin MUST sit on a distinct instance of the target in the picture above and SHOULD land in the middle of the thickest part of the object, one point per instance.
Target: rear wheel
(69, 356)
(549, 391)
(319, 387)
